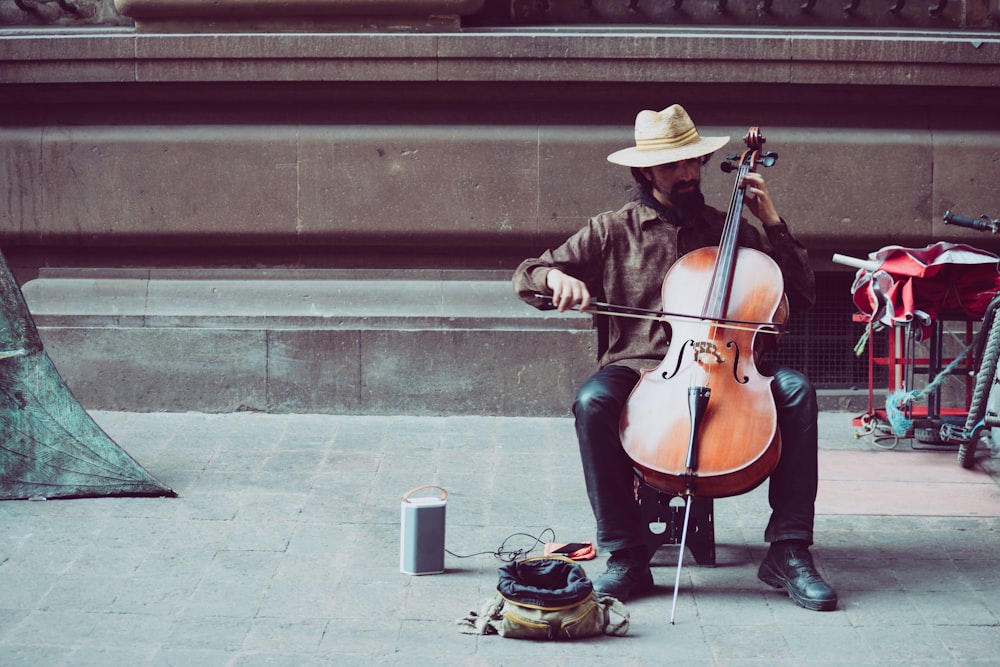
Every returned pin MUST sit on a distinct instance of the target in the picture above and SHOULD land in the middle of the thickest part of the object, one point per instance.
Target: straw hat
(665, 136)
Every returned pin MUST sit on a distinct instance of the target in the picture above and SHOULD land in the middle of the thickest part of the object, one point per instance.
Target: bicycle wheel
(985, 378)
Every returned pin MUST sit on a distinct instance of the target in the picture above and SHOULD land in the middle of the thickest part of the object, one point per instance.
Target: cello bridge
(705, 352)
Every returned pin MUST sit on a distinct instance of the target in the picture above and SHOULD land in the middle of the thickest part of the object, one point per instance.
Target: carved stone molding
(296, 15)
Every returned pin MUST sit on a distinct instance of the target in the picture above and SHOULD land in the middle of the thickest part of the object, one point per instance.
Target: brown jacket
(622, 257)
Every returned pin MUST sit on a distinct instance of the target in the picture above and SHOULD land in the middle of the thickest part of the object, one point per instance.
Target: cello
(704, 422)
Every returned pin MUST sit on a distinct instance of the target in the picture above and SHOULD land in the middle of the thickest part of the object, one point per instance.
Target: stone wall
(466, 149)
(463, 149)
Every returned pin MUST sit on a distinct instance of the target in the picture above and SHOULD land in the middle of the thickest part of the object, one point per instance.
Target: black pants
(609, 473)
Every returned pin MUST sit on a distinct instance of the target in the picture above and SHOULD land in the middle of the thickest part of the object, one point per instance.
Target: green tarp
(49, 446)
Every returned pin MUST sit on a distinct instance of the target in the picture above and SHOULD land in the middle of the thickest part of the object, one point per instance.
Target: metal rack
(910, 367)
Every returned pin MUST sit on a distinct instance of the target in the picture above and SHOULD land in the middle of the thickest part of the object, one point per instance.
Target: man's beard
(688, 200)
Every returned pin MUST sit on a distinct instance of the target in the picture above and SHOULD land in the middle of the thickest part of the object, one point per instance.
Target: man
(621, 257)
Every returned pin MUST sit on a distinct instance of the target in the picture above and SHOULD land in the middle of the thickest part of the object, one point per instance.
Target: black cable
(510, 555)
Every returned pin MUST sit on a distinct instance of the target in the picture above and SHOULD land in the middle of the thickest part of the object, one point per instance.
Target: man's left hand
(758, 199)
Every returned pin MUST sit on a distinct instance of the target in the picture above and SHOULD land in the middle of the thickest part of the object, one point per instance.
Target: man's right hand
(567, 291)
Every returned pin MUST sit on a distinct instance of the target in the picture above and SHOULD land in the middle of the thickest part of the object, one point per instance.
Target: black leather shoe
(790, 564)
(628, 573)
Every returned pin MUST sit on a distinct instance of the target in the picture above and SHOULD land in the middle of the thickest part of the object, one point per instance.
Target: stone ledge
(222, 340)
(658, 55)
(420, 343)
(295, 15)
(284, 299)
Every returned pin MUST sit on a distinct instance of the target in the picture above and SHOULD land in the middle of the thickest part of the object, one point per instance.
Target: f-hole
(736, 362)
(680, 355)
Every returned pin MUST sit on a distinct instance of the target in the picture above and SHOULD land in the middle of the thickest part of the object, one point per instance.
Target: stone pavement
(283, 549)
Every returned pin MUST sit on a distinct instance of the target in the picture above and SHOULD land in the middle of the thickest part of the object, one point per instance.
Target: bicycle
(980, 419)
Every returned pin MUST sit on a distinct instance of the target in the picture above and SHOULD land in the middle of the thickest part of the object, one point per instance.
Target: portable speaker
(421, 539)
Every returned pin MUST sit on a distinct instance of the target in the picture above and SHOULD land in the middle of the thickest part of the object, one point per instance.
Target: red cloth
(943, 280)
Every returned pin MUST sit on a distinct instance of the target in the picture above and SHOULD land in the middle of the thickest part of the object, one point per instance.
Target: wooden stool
(664, 513)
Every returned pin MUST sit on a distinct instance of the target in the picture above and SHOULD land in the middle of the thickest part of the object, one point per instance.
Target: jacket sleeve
(793, 258)
(579, 256)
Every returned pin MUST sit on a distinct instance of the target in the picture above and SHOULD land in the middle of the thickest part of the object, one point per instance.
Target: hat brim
(635, 157)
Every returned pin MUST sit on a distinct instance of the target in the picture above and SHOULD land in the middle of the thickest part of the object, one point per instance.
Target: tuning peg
(937, 9)
(852, 5)
(897, 6)
(768, 159)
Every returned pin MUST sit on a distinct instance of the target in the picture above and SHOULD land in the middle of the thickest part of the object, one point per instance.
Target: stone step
(309, 341)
